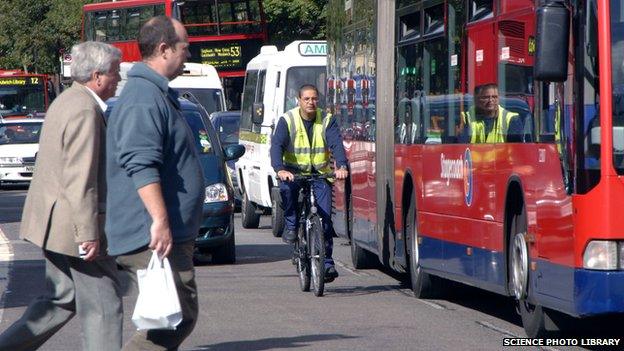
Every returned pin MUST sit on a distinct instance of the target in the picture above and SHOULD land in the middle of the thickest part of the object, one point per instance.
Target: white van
(201, 80)
(272, 83)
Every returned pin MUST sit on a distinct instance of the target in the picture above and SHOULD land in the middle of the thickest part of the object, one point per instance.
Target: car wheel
(227, 252)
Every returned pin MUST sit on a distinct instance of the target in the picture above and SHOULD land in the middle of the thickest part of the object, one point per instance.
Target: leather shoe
(289, 236)
(330, 274)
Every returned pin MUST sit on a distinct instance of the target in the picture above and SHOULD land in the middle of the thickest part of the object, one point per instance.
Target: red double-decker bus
(534, 213)
(24, 94)
(223, 33)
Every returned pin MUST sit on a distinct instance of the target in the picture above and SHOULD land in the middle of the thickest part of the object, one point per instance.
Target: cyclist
(301, 144)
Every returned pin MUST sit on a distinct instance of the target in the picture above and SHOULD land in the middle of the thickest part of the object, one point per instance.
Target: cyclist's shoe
(289, 236)
(330, 274)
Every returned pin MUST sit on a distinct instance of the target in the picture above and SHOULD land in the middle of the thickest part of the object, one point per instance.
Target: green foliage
(33, 32)
(290, 20)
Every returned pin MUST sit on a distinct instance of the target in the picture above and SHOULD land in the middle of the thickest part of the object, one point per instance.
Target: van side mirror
(258, 113)
(553, 32)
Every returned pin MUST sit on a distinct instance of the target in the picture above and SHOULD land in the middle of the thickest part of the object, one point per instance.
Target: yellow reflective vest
(498, 132)
(301, 154)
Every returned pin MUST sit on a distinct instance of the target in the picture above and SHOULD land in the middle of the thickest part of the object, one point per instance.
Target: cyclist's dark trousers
(322, 192)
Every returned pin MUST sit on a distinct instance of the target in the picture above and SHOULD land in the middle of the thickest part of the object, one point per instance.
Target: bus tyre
(277, 213)
(360, 257)
(533, 316)
(249, 218)
(422, 286)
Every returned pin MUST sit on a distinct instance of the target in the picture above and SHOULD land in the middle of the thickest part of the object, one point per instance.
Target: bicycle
(309, 251)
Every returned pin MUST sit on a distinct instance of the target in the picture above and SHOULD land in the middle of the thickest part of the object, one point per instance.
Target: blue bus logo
(468, 185)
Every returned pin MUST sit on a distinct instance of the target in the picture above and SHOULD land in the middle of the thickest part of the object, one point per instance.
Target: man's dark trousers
(323, 195)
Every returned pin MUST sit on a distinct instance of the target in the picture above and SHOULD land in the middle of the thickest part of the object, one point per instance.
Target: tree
(290, 20)
(34, 32)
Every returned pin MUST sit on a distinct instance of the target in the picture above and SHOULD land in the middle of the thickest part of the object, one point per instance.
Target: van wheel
(277, 213)
(249, 218)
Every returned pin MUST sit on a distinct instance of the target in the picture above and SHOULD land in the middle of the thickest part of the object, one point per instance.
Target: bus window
(480, 9)
(100, 25)
(435, 81)
(409, 85)
(434, 20)
(199, 12)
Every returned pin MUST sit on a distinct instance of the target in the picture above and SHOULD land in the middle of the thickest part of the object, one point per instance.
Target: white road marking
(511, 334)
(431, 304)
(6, 255)
(352, 271)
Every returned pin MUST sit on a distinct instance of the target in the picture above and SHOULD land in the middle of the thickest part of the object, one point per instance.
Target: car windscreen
(209, 98)
(19, 133)
(228, 129)
(205, 145)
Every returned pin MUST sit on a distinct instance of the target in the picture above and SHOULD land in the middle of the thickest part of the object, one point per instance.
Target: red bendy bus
(24, 94)
(539, 220)
(223, 33)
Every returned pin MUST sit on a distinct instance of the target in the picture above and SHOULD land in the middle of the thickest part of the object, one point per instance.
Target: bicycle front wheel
(302, 260)
(316, 243)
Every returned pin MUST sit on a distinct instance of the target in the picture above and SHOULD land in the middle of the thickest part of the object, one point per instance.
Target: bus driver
(488, 122)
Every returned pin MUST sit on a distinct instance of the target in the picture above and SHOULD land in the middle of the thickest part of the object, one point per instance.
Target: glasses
(488, 97)
(309, 99)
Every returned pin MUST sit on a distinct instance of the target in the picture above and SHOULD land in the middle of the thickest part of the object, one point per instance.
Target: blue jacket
(148, 141)
(281, 139)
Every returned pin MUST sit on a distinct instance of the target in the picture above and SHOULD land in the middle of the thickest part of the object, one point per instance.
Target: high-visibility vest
(301, 154)
(498, 132)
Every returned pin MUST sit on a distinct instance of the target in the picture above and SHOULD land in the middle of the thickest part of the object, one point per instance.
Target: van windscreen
(298, 76)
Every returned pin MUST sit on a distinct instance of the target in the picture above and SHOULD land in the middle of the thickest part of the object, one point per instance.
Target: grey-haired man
(64, 210)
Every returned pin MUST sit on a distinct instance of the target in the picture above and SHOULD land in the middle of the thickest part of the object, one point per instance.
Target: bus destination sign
(4, 81)
(227, 56)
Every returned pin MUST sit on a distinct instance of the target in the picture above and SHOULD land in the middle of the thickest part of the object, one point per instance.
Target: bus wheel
(249, 218)
(533, 316)
(421, 281)
(277, 213)
(361, 258)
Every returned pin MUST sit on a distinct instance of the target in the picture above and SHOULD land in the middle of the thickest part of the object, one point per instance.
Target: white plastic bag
(158, 305)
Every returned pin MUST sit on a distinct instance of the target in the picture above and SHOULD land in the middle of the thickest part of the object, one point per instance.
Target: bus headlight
(216, 193)
(601, 254)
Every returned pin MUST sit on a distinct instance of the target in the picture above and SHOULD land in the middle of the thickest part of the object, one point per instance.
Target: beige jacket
(65, 204)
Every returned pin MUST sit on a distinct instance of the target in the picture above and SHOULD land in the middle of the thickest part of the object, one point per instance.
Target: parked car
(19, 144)
(226, 124)
(216, 234)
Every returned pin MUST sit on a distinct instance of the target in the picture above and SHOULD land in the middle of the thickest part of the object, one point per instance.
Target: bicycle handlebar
(299, 177)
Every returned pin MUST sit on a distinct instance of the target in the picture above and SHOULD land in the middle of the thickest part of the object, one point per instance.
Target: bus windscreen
(19, 95)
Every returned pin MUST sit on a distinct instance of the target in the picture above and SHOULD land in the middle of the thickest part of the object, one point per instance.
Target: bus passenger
(299, 133)
(488, 122)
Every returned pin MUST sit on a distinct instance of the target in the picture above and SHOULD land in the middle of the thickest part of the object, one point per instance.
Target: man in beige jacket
(64, 210)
